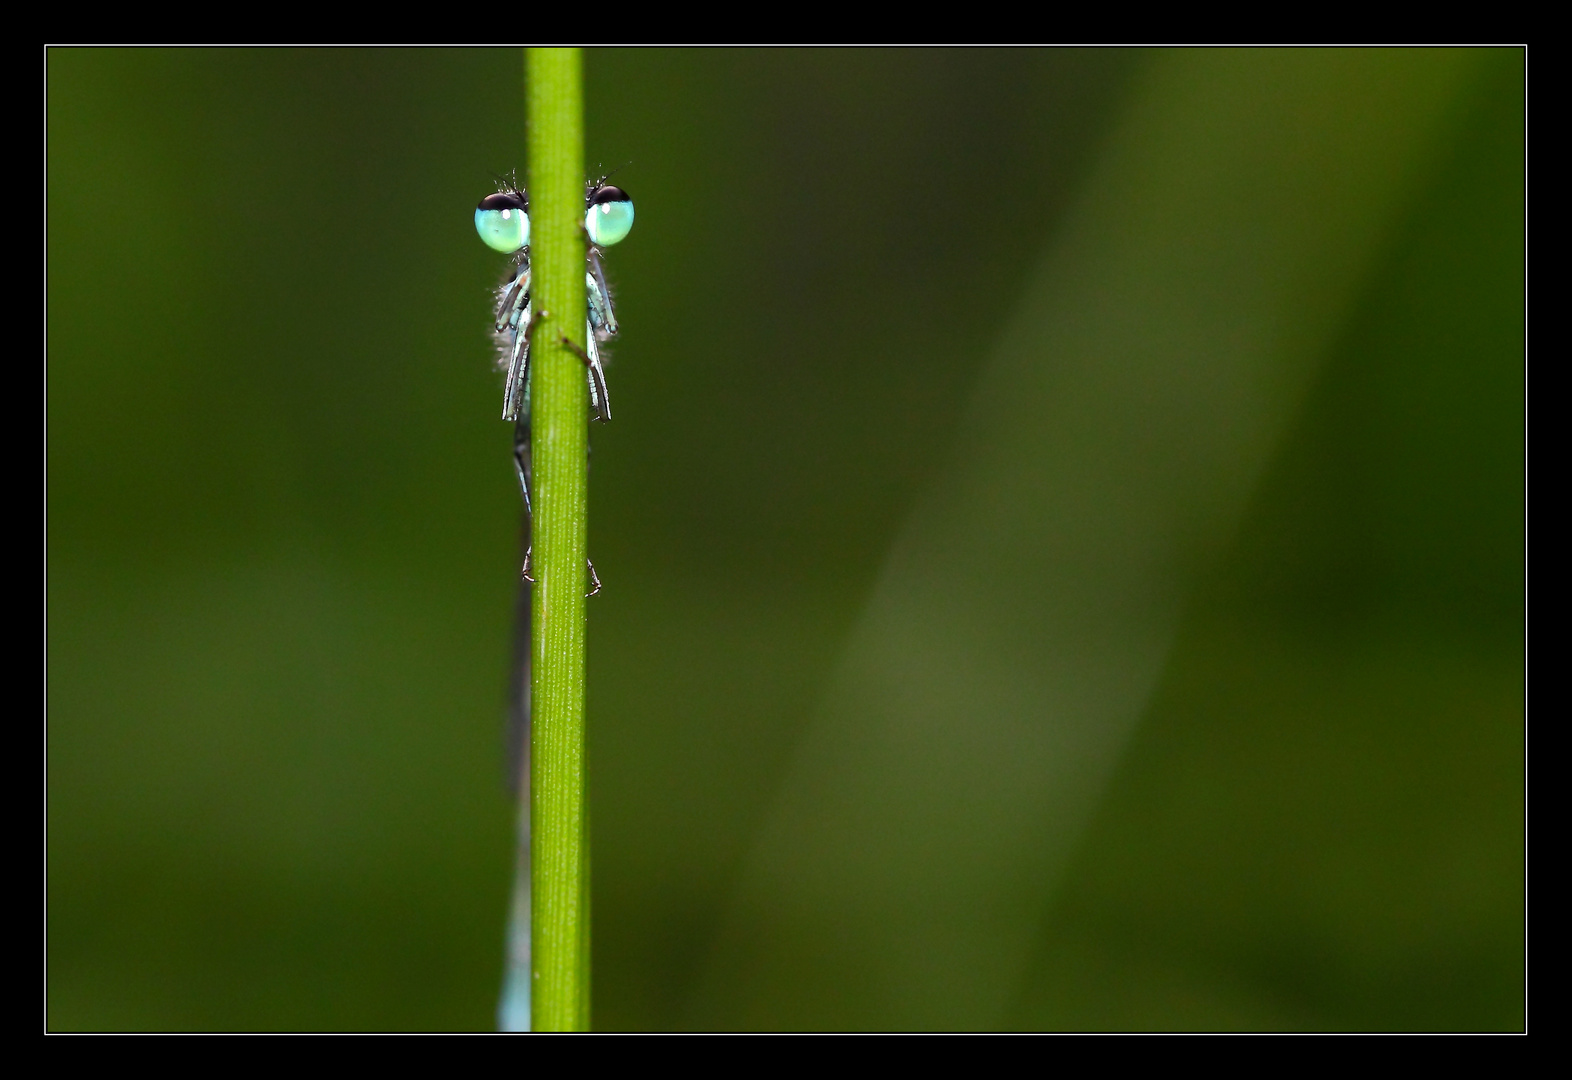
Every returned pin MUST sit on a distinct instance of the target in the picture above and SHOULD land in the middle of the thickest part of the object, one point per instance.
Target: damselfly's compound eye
(502, 220)
(609, 217)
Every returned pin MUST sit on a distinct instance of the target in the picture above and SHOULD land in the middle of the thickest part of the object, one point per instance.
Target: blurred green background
(1062, 530)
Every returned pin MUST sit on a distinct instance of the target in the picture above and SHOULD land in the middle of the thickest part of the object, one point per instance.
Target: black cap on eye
(504, 200)
(605, 194)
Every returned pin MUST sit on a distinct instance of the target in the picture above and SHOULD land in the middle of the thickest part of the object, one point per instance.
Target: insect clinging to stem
(502, 220)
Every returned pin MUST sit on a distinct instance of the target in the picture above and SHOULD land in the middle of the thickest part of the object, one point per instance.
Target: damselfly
(502, 220)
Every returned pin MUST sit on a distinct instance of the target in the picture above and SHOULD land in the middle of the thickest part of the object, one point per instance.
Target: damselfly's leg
(514, 320)
(602, 327)
(597, 377)
(600, 309)
(514, 397)
(599, 401)
(515, 294)
(523, 465)
(588, 562)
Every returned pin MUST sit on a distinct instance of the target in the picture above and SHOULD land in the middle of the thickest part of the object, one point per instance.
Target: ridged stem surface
(559, 408)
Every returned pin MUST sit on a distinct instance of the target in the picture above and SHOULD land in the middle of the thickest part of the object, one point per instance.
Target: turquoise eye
(609, 217)
(502, 220)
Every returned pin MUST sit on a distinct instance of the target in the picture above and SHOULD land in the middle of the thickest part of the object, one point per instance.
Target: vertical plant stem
(559, 414)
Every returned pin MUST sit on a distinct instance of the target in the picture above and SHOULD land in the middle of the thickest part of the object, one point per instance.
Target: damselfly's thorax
(502, 222)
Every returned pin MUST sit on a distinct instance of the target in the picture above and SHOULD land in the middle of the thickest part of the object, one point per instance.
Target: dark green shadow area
(826, 233)
(1320, 822)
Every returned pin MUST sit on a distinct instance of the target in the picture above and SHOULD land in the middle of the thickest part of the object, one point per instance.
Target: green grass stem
(559, 857)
